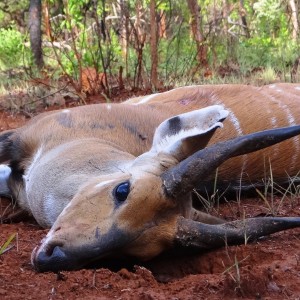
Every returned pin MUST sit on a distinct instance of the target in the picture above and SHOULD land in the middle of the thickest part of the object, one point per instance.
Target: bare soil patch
(266, 269)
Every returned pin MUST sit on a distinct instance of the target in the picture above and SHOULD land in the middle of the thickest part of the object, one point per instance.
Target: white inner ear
(170, 133)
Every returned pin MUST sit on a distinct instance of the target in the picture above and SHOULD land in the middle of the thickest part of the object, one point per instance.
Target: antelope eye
(121, 191)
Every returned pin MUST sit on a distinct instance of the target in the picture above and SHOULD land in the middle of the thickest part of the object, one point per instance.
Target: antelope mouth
(59, 260)
(55, 256)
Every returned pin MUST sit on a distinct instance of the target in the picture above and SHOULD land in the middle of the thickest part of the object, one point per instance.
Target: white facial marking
(103, 183)
(4, 172)
(4, 175)
(65, 111)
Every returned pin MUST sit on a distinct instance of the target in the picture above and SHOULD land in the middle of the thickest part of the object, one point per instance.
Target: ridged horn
(186, 175)
(202, 236)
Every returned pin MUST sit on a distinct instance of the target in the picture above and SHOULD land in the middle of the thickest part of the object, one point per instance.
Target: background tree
(174, 42)
(153, 43)
(294, 16)
(196, 28)
(35, 33)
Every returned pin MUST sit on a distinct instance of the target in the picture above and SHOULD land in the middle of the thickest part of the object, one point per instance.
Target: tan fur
(68, 163)
(129, 128)
(254, 108)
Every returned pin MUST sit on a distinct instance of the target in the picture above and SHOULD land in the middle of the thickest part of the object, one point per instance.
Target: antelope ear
(182, 135)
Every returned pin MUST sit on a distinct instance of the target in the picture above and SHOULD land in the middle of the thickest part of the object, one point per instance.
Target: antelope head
(145, 208)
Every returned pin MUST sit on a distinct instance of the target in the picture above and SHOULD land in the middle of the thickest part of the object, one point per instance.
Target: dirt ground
(266, 269)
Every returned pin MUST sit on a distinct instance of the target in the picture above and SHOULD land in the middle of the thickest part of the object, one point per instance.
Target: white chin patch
(4, 175)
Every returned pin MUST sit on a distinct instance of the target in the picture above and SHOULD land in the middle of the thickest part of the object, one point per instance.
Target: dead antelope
(116, 179)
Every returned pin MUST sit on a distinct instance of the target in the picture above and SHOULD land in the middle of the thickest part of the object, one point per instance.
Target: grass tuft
(7, 245)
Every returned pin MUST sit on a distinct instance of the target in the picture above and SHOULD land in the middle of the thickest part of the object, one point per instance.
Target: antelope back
(251, 109)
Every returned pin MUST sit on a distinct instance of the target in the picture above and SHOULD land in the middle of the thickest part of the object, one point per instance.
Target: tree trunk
(197, 34)
(139, 43)
(124, 32)
(294, 15)
(243, 18)
(35, 17)
(153, 44)
(225, 13)
(46, 17)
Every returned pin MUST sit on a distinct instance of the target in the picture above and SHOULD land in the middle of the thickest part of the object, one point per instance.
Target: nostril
(49, 258)
(58, 253)
(49, 249)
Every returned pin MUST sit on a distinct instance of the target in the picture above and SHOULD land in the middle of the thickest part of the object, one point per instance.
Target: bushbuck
(115, 180)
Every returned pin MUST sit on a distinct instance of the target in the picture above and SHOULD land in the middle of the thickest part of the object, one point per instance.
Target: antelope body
(116, 179)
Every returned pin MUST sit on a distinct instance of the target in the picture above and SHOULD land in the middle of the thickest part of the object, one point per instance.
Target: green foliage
(265, 52)
(93, 41)
(12, 12)
(178, 56)
(267, 9)
(270, 19)
(11, 48)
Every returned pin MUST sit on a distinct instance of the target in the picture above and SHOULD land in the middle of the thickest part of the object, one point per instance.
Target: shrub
(11, 48)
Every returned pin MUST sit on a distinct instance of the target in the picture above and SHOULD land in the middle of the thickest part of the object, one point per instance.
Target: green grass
(7, 245)
(290, 193)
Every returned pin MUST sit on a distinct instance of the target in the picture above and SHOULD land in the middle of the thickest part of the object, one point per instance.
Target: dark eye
(121, 191)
